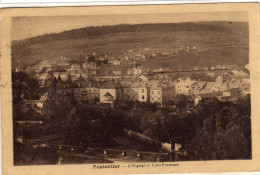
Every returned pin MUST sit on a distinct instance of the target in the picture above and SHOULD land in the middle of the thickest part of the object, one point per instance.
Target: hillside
(224, 42)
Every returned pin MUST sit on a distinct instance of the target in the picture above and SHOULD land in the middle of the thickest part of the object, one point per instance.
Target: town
(90, 78)
(103, 81)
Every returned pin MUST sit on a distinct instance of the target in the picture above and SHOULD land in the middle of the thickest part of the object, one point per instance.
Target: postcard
(130, 89)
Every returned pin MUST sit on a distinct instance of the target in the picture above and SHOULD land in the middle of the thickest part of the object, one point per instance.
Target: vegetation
(24, 86)
(224, 42)
(225, 134)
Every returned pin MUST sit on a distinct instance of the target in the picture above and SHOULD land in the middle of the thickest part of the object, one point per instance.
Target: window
(152, 92)
(187, 86)
(143, 97)
(142, 90)
(152, 99)
(158, 99)
(158, 92)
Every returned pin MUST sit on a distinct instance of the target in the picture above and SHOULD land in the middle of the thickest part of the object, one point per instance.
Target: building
(85, 91)
(45, 63)
(92, 65)
(215, 86)
(183, 86)
(116, 62)
(85, 65)
(197, 99)
(139, 92)
(137, 70)
(117, 72)
(143, 91)
(62, 62)
(43, 78)
(75, 67)
(44, 97)
(142, 77)
(109, 92)
(230, 94)
(155, 90)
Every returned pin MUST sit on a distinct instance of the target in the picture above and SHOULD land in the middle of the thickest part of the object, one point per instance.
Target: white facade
(183, 86)
(197, 100)
(104, 95)
(156, 96)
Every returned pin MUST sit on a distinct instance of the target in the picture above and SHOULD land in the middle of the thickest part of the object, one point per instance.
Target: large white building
(133, 91)
(109, 92)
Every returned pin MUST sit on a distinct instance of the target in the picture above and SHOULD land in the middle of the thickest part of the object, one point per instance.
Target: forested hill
(129, 36)
(95, 31)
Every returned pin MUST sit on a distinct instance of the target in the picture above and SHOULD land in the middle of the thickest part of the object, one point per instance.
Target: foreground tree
(225, 134)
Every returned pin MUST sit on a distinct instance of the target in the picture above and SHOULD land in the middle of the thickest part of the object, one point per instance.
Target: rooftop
(110, 85)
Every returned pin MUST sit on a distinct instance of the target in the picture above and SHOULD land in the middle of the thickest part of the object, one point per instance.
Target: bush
(181, 101)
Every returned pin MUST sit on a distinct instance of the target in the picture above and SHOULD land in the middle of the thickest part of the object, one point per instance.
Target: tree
(180, 100)
(225, 134)
(59, 79)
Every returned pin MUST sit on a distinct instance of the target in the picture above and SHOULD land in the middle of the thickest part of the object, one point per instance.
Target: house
(71, 72)
(138, 92)
(39, 104)
(109, 92)
(145, 91)
(75, 67)
(155, 92)
(92, 65)
(142, 77)
(93, 72)
(158, 70)
(85, 65)
(62, 62)
(129, 71)
(125, 89)
(183, 86)
(230, 94)
(153, 55)
(43, 78)
(197, 87)
(137, 70)
(85, 91)
(45, 63)
(218, 85)
(197, 99)
(117, 72)
(64, 76)
(116, 62)
(211, 74)
(44, 97)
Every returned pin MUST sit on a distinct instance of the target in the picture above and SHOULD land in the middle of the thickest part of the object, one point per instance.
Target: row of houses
(223, 88)
(112, 90)
(134, 91)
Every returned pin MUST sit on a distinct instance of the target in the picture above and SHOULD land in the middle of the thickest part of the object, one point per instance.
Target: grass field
(227, 45)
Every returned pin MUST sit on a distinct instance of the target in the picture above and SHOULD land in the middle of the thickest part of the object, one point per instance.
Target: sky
(26, 27)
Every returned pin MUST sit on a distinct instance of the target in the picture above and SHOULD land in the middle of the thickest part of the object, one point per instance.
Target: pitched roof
(108, 95)
(110, 85)
(210, 85)
(150, 84)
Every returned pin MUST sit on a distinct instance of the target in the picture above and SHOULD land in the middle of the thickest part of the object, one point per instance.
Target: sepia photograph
(156, 88)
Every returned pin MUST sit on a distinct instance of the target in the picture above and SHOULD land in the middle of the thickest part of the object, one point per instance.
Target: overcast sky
(25, 27)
